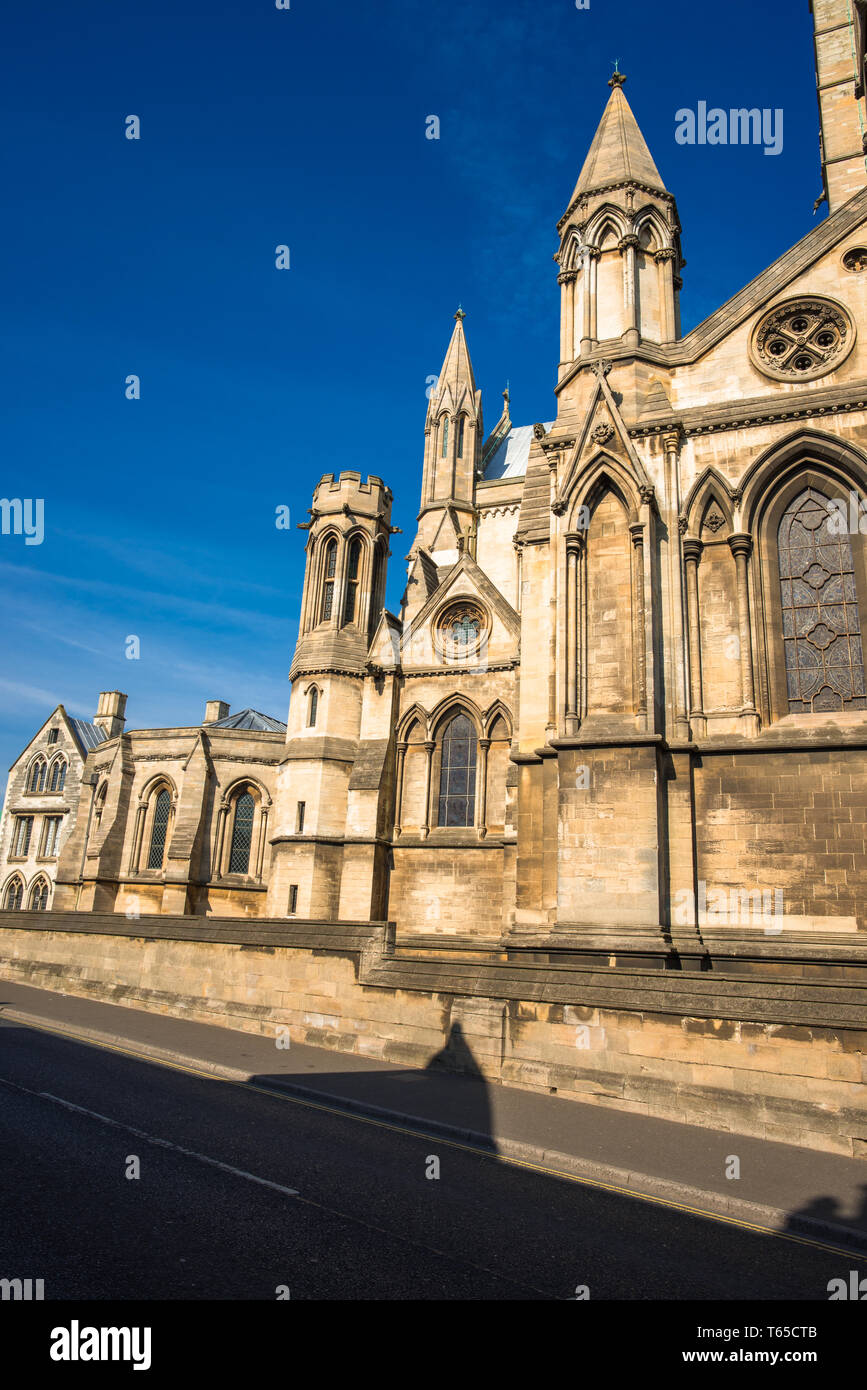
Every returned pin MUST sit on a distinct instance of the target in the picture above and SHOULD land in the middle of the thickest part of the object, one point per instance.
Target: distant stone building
(623, 708)
(42, 795)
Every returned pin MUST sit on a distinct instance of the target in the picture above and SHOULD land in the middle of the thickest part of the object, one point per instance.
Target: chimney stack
(110, 713)
(214, 710)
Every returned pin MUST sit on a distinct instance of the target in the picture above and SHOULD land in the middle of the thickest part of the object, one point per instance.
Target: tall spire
(619, 152)
(453, 436)
(619, 256)
(457, 369)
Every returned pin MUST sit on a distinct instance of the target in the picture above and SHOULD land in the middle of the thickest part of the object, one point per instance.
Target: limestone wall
(778, 1075)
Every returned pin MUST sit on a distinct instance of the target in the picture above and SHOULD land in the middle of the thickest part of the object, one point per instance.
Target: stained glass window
(242, 835)
(160, 827)
(457, 798)
(821, 624)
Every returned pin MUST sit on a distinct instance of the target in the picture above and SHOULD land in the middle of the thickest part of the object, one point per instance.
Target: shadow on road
(451, 1090)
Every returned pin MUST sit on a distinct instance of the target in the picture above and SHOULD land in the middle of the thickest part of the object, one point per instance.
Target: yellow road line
(396, 1128)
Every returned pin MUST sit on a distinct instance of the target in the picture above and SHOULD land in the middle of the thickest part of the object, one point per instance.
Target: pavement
(781, 1187)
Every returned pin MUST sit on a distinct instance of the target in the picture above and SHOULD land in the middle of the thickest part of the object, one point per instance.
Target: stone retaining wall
(343, 987)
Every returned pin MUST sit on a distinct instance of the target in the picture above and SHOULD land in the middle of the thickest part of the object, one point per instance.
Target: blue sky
(306, 127)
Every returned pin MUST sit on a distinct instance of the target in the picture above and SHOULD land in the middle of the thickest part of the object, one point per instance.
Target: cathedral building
(622, 710)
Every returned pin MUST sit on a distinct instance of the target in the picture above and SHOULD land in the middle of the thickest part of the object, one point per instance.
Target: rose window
(804, 339)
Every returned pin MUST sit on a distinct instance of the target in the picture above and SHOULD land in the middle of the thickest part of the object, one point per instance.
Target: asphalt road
(241, 1192)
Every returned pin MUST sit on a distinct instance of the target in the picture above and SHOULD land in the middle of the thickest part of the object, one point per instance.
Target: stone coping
(795, 1000)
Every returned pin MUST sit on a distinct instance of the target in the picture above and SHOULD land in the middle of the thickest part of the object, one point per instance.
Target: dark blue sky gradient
(306, 127)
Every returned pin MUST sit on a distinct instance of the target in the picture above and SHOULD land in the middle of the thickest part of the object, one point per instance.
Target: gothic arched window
(351, 599)
(376, 595)
(312, 707)
(14, 895)
(37, 776)
(58, 775)
(242, 834)
(330, 570)
(460, 436)
(39, 896)
(457, 797)
(159, 831)
(821, 624)
(445, 433)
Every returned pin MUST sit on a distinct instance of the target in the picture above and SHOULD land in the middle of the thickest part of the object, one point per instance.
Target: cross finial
(617, 78)
(460, 315)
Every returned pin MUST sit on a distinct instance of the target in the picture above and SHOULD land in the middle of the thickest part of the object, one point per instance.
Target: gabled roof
(509, 459)
(249, 719)
(87, 735)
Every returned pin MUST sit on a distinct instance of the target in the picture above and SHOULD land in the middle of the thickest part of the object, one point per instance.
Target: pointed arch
(241, 831)
(328, 580)
(313, 695)
(710, 484)
(607, 220)
(498, 710)
(808, 596)
(37, 774)
(416, 714)
(57, 775)
(153, 783)
(650, 219)
(605, 472)
(455, 703)
(840, 459)
(39, 894)
(13, 893)
(457, 771)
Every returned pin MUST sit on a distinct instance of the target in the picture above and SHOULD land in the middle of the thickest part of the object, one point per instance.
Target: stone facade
(627, 675)
(606, 772)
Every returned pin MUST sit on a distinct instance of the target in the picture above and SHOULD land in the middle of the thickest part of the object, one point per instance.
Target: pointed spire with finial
(618, 153)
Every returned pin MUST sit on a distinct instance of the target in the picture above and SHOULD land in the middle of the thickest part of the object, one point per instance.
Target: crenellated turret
(344, 583)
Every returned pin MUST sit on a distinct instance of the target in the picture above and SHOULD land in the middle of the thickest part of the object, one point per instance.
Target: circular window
(460, 630)
(855, 258)
(804, 338)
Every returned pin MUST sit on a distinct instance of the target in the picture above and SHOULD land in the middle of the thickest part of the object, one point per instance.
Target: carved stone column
(741, 546)
(639, 621)
(591, 331)
(574, 546)
(628, 245)
(567, 280)
(691, 555)
(665, 261)
(135, 856)
(401, 758)
(222, 817)
(429, 751)
(482, 807)
(678, 664)
(263, 836)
